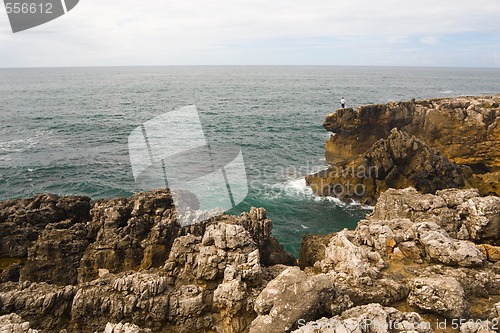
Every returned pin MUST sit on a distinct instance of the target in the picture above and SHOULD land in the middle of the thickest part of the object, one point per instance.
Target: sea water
(65, 130)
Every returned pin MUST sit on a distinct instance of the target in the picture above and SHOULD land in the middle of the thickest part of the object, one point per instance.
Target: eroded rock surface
(465, 129)
(430, 145)
(398, 161)
(126, 265)
(129, 267)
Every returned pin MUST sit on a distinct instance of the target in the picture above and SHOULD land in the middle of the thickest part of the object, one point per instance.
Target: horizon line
(251, 65)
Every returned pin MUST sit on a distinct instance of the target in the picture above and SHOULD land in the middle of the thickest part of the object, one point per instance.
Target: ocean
(65, 130)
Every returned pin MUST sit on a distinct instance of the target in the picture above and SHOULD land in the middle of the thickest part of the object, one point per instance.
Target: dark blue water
(65, 130)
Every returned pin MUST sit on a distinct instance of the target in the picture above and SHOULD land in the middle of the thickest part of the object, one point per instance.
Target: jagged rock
(368, 318)
(124, 328)
(441, 248)
(482, 219)
(463, 214)
(136, 265)
(140, 298)
(343, 256)
(399, 161)
(45, 306)
(439, 295)
(22, 220)
(223, 245)
(491, 252)
(312, 249)
(55, 256)
(259, 226)
(129, 234)
(292, 296)
(360, 291)
(465, 129)
(13, 323)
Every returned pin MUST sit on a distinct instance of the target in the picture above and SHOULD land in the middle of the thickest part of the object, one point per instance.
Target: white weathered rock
(440, 295)
(444, 249)
(291, 296)
(13, 323)
(482, 218)
(368, 318)
(343, 256)
(141, 284)
(124, 328)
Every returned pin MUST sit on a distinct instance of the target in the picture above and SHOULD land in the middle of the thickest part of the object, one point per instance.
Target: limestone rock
(13, 323)
(465, 129)
(44, 305)
(292, 296)
(343, 256)
(368, 318)
(482, 219)
(398, 161)
(124, 328)
(55, 256)
(440, 247)
(491, 252)
(463, 214)
(129, 296)
(22, 220)
(442, 296)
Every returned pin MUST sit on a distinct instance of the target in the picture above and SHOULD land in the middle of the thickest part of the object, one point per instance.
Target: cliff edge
(68, 264)
(429, 144)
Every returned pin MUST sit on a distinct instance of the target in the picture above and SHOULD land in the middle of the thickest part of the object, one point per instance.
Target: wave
(18, 146)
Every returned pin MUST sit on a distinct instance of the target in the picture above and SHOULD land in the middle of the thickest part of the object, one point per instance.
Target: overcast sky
(258, 32)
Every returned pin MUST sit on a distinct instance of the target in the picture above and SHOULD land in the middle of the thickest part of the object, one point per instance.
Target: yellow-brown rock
(429, 144)
(491, 252)
(465, 129)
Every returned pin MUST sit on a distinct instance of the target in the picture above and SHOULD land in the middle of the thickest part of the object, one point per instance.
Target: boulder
(290, 297)
(368, 318)
(443, 296)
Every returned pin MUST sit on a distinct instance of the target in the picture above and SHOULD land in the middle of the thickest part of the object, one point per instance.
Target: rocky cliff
(429, 144)
(68, 264)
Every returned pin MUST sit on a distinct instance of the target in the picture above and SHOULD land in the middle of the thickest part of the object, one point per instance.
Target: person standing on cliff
(342, 103)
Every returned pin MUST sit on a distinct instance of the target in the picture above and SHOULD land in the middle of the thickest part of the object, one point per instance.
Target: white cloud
(169, 32)
(429, 40)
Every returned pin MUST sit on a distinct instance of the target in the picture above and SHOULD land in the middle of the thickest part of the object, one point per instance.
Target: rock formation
(125, 265)
(398, 161)
(465, 129)
(417, 252)
(365, 150)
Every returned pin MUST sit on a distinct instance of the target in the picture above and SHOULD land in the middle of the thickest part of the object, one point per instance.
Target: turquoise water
(65, 130)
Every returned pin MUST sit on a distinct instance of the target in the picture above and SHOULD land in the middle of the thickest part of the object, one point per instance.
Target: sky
(450, 33)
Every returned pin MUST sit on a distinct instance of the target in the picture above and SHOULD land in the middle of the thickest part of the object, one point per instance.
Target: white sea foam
(18, 146)
(334, 200)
